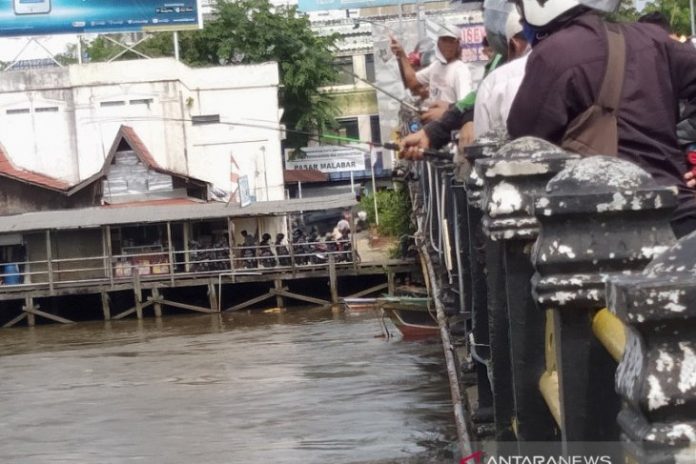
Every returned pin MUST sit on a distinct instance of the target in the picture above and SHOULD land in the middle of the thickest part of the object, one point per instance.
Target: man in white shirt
(497, 91)
(447, 79)
(494, 96)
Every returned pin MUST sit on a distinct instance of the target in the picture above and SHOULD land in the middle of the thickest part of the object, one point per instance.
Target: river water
(305, 386)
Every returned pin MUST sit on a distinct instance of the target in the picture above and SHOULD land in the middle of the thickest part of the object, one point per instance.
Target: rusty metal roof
(293, 176)
(154, 213)
(8, 169)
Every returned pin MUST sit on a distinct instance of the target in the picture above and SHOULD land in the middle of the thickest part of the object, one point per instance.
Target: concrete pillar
(656, 377)
(600, 217)
(512, 177)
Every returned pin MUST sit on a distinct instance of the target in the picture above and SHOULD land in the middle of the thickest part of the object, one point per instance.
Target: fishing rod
(321, 138)
(410, 106)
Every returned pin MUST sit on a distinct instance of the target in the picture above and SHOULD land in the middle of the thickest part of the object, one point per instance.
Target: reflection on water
(306, 386)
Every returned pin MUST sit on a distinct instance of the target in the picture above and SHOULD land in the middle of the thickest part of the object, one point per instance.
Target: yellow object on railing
(548, 386)
(611, 332)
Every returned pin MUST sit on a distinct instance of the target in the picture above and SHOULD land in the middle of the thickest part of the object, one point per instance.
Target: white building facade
(216, 124)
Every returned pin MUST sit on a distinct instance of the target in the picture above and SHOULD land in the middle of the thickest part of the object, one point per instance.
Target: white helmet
(495, 16)
(513, 25)
(540, 13)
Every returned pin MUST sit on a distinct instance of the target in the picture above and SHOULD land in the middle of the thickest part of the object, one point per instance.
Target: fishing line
(443, 155)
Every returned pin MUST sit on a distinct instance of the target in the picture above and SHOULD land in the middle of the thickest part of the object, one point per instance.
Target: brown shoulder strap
(610, 93)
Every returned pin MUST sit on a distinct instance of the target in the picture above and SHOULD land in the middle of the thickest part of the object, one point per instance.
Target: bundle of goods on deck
(145, 266)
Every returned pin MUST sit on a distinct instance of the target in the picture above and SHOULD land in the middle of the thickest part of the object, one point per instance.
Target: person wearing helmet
(497, 91)
(566, 70)
(436, 134)
(446, 79)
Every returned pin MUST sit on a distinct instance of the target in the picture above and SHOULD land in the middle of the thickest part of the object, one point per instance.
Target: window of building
(349, 127)
(17, 111)
(141, 101)
(205, 119)
(375, 132)
(370, 67)
(47, 109)
(112, 103)
(344, 66)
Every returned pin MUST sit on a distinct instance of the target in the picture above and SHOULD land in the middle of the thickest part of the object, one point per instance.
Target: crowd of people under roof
(305, 247)
(547, 67)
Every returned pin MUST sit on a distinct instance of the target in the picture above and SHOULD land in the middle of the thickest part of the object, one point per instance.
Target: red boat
(414, 317)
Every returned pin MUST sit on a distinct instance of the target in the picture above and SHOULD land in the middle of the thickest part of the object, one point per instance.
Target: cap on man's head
(448, 31)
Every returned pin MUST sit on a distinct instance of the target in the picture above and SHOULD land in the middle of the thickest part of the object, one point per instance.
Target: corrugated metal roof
(95, 217)
(8, 169)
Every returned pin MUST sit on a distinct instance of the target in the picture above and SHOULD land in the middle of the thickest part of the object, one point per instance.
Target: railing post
(657, 375)
(599, 217)
(475, 260)
(512, 177)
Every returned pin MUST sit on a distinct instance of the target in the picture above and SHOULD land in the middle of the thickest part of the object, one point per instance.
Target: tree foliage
(676, 11)
(394, 209)
(255, 31)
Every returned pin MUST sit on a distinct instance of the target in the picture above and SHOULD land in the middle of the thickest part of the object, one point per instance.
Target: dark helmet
(280, 236)
(266, 237)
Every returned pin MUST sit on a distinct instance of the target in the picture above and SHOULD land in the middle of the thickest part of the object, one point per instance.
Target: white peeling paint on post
(505, 199)
(675, 308)
(683, 431)
(651, 252)
(609, 172)
(656, 397)
(664, 362)
(617, 204)
(566, 250)
(516, 168)
(687, 376)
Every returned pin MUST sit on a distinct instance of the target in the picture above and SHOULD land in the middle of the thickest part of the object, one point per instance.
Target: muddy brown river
(305, 386)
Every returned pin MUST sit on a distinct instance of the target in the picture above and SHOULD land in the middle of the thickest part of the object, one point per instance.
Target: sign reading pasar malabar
(327, 159)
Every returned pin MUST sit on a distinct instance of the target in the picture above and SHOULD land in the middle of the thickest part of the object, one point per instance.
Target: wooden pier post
(278, 283)
(138, 293)
(49, 261)
(212, 297)
(333, 280)
(106, 307)
(170, 250)
(157, 301)
(28, 307)
(109, 259)
(391, 283)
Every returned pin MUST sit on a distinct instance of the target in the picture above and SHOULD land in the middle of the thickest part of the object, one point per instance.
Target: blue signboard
(46, 17)
(320, 5)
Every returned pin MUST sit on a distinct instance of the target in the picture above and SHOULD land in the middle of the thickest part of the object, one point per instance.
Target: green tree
(394, 209)
(255, 31)
(677, 11)
(626, 12)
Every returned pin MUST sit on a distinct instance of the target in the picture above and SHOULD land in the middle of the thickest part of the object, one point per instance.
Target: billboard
(48, 17)
(326, 158)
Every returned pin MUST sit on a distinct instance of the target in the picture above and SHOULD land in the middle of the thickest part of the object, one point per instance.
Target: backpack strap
(610, 92)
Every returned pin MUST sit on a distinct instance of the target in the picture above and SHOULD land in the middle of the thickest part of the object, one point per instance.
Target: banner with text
(326, 158)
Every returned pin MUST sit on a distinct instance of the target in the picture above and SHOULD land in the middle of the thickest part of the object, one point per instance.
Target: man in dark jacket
(565, 72)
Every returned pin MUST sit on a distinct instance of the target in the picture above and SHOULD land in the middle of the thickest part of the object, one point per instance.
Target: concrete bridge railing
(549, 241)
